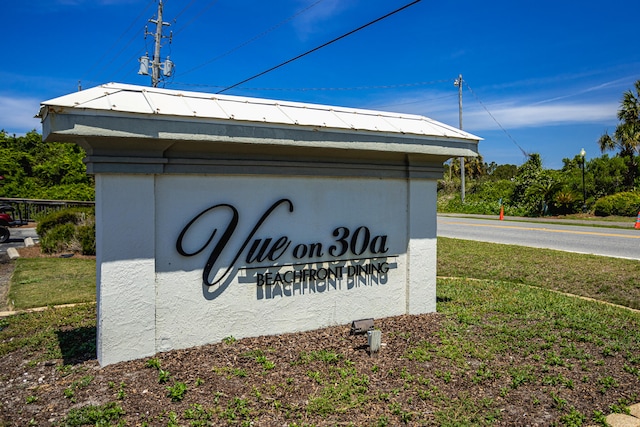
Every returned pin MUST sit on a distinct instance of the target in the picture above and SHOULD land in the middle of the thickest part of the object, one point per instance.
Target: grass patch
(40, 282)
(613, 280)
(93, 415)
(67, 333)
(495, 342)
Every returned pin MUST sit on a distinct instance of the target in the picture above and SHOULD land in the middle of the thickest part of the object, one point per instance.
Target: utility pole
(458, 82)
(156, 65)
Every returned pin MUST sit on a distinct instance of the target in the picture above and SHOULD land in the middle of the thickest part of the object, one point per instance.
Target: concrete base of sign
(212, 224)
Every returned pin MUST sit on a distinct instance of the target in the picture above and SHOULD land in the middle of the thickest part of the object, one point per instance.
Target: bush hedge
(70, 229)
(623, 204)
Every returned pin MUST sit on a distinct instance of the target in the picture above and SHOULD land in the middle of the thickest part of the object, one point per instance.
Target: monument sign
(222, 216)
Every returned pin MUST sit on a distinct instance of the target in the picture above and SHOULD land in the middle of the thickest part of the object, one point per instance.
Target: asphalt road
(16, 240)
(620, 243)
(613, 242)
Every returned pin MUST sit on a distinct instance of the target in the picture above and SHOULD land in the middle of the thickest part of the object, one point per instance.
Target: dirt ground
(323, 377)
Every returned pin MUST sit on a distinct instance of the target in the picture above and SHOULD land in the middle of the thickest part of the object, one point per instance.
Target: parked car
(7, 219)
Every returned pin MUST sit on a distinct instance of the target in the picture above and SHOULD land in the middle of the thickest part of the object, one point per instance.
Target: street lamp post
(584, 191)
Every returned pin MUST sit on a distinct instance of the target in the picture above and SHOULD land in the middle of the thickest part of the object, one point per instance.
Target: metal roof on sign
(122, 98)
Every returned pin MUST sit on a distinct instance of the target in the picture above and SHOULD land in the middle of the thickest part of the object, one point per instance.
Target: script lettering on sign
(346, 249)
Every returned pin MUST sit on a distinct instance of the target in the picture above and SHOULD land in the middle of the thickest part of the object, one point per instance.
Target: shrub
(58, 238)
(87, 236)
(624, 204)
(68, 230)
(62, 216)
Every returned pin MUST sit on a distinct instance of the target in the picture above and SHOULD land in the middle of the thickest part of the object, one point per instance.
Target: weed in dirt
(237, 410)
(573, 419)
(606, 383)
(177, 391)
(93, 415)
(198, 414)
(163, 376)
(70, 391)
(121, 394)
(153, 363)
(229, 340)
(261, 358)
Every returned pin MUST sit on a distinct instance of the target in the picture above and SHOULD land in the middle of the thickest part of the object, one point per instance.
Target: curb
(39, 309)
(13, 253)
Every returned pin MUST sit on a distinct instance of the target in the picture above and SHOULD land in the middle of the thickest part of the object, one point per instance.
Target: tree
(535, 188)
(499, 172)
(34, 169)
(626, 138)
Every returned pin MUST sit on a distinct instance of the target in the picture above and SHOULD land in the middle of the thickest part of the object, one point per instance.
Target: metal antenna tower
(158, 69)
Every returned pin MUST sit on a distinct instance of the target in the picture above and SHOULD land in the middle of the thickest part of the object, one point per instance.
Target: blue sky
(544, 76)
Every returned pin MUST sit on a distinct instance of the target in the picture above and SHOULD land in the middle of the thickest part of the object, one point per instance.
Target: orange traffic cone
(502, 215)
(637, 226)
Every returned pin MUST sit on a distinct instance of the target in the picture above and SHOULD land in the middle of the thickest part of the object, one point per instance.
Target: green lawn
(613, 280)
(40, 282)
(503, 342)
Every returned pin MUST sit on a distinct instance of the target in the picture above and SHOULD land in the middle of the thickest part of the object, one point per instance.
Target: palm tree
(626, 138)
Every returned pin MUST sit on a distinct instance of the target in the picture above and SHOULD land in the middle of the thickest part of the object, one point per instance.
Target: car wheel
(4, 234)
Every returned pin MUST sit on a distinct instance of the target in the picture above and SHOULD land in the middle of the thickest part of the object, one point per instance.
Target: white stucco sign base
(218, 226)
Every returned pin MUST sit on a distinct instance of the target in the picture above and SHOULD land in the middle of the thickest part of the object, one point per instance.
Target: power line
(321, 46)
(184, 10)
(494, 119)
(202, 11)
(118, 40)
(251, 40)
(419, 101)
(319, 89)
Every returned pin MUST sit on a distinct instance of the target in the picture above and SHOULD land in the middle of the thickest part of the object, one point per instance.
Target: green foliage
(177, 391)
(70, 229)
(259, 356)
(623, 204)
(101, 415)
(57, 238)
(53, 219)
(573, 419)
(153, 363)
(501, 172)
(237, 410)
(626, 138)
(605, 176)
(534, 187)
(163, 376)
(482, 197)
(43, 170)
(531, 190)
(87, 236)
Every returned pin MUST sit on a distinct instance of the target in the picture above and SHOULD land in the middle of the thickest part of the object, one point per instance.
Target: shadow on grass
(77, 345)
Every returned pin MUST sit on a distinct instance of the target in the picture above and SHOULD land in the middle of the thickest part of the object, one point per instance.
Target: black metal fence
(30, 209)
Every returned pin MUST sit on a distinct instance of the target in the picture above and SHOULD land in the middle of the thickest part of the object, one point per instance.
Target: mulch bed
(235, 385)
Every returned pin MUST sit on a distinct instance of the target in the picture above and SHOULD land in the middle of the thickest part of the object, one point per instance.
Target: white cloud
(510, 112)
(512, 116)
(320, 11)
(16, 114)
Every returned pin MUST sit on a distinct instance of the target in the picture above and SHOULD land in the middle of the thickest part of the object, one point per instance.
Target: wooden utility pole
(458, 83)
(158, 68)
